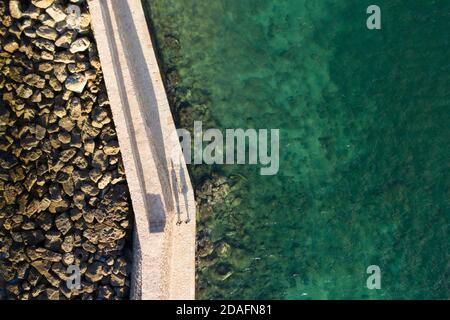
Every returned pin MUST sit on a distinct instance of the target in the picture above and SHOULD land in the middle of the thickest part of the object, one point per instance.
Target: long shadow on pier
(140, 75)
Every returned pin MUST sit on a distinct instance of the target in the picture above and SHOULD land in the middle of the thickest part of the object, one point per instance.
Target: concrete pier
(159, 184)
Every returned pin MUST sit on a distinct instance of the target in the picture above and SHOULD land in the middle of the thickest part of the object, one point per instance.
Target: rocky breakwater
(64, 200)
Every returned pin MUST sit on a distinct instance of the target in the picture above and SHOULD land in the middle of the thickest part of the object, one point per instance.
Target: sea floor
(364, 144)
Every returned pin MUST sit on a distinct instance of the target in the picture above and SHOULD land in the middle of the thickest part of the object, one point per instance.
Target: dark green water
(364, 143)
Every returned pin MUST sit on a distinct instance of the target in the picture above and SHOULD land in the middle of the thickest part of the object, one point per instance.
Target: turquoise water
(364, 143)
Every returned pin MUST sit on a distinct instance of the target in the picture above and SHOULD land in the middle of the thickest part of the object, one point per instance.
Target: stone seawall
(64, 199)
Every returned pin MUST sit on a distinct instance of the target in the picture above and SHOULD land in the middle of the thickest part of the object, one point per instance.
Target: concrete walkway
(160, 188)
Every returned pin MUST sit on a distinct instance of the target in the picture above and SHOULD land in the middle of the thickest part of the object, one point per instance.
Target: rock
(32, 208)
(85, 20)
(34, 80)
(46, 20)
(105, 180)
(55, 192)
(63, 223)
(52, 293)
(30, 32)
(94, 272)
(90, 189)
(68, 258)
(33, 237)
(99, 215)
(91, 235)
(45, 67)
(14, 9)
(24, 91)
(7, 160)
(43, 4)
(11, 46)
(60, 271)
(65, 138)
(67, 124)
(44, 254)
(43, 268)
(13, 289)
(105, 292)
(75, 109)
(95, 175)
(111, 148)
(109, 234)
(7, 272)
(67, 245)
(89, 146)
(65, 39)
(55, 84)
(76, 83)
(47, 33)
(89, 247)
(45, 219)
(80, 45)
(65, 57)
(99, 160)
(60, 72)
(117, 280)
(73, 17)
(36, 291)
(56, 11)
(88, 216)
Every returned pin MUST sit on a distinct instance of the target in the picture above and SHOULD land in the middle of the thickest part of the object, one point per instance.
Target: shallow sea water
(364, 143)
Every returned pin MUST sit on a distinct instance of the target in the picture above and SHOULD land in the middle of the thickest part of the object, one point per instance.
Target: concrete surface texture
(160, 188)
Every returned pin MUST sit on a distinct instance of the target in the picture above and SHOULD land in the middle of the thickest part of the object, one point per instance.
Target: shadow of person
(173, 175)
(184, 191)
